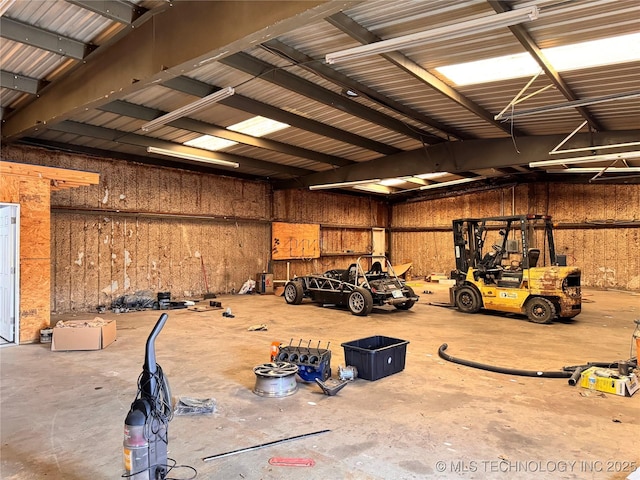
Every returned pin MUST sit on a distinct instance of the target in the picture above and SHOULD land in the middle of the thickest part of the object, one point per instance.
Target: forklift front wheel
(540, 310)
(468, 300)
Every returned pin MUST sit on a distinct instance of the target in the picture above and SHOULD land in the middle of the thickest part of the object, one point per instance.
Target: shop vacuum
(147, 424)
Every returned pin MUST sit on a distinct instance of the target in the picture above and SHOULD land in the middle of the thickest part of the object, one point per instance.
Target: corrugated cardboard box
(83, 334)
(624, 385)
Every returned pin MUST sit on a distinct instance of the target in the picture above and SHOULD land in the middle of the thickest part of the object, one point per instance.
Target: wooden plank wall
(149, 228)
(35, 258)
(345, 227)
(599, 227)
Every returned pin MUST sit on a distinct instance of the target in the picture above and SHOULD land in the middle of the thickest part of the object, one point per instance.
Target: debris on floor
(263, 445)
(195, 406)
(141, 300)
(331, 387)
(248, 287)
(291, 462)
(258, 328)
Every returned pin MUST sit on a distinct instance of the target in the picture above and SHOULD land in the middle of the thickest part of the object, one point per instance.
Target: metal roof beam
(156, 51)
(127, 138)
(20, 82)
(525, 39)
(364, 36)
(121, 107)
(457, 157)
(284, 79)
(118, 11)
(317, 67)
(246, 104)
(43, 39)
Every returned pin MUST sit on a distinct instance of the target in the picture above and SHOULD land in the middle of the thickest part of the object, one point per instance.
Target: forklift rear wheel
(468, 300)
(293, 293)
(540, 310)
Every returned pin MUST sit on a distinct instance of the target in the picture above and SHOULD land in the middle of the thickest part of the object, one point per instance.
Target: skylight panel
(595, 53)
(207, 142)
(256, 127)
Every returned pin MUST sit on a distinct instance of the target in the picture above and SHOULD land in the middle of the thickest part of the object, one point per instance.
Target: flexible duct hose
(508, 371)
(573, 373)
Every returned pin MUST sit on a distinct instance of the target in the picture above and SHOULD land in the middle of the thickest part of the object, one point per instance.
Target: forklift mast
(469, 236)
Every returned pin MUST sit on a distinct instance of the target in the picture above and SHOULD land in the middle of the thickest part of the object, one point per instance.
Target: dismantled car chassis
(357, 288)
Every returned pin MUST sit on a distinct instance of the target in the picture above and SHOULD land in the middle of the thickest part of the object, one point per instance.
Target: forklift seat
(533, 255)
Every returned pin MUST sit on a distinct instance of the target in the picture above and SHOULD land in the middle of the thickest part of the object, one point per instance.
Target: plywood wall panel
(344, 240)
(34, 298)
(303, 206)
(9, 189)
(34, 218)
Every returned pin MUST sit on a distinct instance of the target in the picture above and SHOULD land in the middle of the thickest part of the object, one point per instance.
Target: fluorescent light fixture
(451, 183)
(191, 156)
(188, 109)
(596, 170)
(595, 53)
(596, 147)
(477, 25)
(609, 157)
(343, 184)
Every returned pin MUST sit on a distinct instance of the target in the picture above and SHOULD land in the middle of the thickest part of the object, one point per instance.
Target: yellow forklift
(519, 273)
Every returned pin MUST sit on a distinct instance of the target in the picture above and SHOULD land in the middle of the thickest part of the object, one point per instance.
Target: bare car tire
(293, 293)
(360, 302)
(540, 310)
(409, 303)
(468, 300)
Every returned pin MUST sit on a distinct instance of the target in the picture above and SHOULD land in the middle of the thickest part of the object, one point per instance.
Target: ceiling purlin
(20, 82)
(318, 68)
(118, 11)
(254, 107)
(270, 73)
(121, 107)
(525, 39)
(364, 36)
(127, 138)
(43, 39)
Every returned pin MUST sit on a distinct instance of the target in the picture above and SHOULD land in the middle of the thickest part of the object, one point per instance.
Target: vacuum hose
(572, 373)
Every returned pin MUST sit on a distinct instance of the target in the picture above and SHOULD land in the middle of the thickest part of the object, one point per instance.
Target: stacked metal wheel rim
(275, 379)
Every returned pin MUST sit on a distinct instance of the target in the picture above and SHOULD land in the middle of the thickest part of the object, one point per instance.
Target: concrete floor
(62, 413)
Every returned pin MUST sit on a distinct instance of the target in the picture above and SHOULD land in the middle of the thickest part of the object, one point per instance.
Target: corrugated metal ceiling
(396, 113)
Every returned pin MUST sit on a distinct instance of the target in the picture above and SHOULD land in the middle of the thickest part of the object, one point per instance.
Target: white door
(9, 215)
